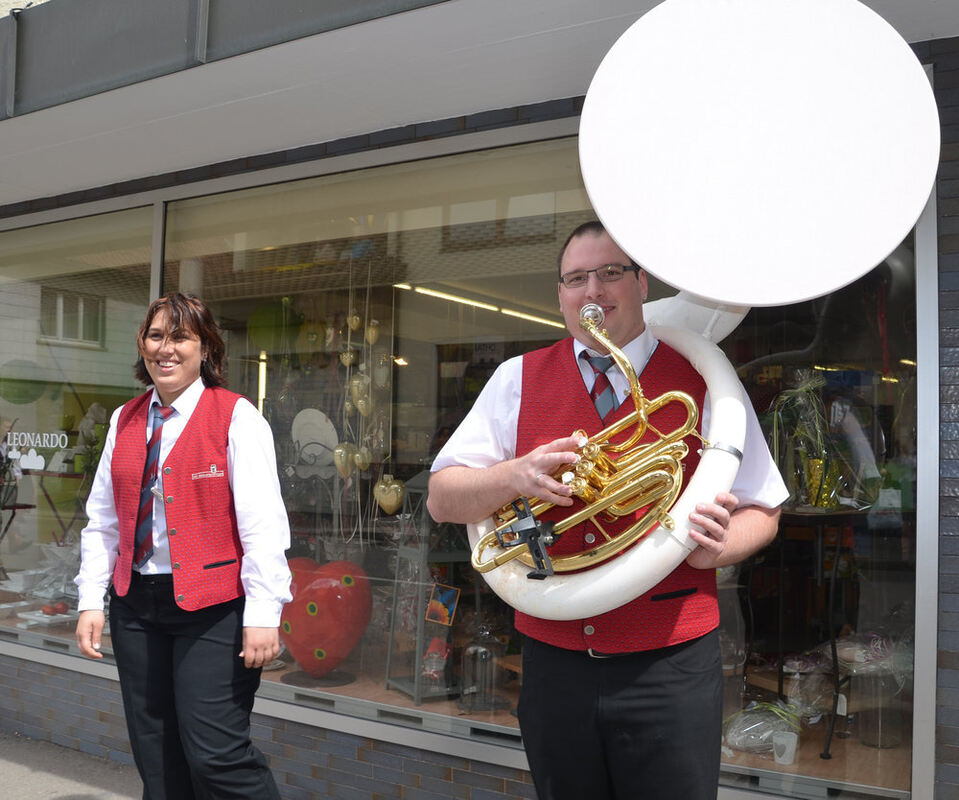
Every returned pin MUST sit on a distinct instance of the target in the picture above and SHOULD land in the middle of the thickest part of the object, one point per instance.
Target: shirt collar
(637, 351)
(185, 404)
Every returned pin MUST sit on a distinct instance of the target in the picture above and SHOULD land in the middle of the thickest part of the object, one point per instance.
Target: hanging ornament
(389, 494)
(364, 406)
(354, 320)
(359, 387)
(347, 357)
(348, 406)
(382, 367)
(372, 331)
(344, 458)
(362, 458)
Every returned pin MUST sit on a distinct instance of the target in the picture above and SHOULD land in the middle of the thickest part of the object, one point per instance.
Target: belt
(161, 577)
(594, 654)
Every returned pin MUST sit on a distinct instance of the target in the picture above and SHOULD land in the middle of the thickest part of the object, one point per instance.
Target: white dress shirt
(260, 513)
(488, 433)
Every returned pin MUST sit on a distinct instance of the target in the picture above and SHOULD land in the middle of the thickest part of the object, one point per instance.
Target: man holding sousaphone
(625, 703)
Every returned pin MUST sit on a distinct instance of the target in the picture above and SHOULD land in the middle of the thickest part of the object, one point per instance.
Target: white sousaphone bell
(788, 153)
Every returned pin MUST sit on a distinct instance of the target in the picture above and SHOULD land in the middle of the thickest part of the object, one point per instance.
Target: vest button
(589, 630)
(589, 538)
(180, 598)
(176, 565)
(169, 498)
(167, 470)
(171, 532)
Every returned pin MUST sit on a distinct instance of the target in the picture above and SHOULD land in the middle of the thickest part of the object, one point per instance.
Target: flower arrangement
(801, 443)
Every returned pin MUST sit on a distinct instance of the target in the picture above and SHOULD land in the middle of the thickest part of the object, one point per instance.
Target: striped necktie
(602, 393)
(143, 538)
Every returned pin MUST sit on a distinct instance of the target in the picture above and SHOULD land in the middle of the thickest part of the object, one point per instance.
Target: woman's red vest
(205, 549)
(554, 404)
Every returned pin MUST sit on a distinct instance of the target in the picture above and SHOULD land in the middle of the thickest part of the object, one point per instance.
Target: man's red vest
(205, 550)
(554, 404)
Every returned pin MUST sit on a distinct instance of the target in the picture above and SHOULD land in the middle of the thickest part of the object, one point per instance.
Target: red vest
(683, 605)
(205, 550)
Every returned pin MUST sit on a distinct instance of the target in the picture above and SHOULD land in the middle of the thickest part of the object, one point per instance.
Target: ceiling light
(531, 318)
(455, 298)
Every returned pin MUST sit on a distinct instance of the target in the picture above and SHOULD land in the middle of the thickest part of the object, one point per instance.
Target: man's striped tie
(602, 393)
(143, 538)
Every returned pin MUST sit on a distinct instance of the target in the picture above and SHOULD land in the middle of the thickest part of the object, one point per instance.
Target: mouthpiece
(593, 313)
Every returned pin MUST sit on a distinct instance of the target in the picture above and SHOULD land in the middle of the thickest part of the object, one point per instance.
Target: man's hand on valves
(535, 470)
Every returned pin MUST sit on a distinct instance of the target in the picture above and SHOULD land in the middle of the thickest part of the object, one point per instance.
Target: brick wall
(944, 55)
(85, 713)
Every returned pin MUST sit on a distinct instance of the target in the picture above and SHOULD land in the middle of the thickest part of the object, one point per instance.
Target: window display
(363, 312)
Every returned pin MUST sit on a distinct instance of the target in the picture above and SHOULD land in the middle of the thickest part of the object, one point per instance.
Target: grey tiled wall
(943, 54)
(85, 713)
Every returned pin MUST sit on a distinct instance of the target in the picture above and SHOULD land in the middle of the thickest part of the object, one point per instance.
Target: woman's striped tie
(143, 538)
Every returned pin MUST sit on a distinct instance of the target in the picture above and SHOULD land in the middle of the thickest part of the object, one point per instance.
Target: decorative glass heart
(354, 320)
(359, 386)
(389, 493)
(347, 357)
(344, 458)
(364, 406)
(363, 457)
(372, 331)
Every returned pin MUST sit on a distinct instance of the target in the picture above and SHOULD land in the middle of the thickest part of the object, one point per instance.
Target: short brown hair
(187, 312)
(592, 228)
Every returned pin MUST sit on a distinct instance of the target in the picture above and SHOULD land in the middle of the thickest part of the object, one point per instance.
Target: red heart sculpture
(329, 612)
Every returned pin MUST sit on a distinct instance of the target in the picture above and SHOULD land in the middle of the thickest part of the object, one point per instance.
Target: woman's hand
(260, 646)
(89, 630)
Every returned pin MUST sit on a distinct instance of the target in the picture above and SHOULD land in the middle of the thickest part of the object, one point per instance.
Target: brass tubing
(613, 480)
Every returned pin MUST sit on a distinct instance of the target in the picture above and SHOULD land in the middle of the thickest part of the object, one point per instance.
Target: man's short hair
(592, 228)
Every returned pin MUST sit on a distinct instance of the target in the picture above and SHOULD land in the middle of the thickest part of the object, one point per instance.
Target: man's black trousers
(642, 726)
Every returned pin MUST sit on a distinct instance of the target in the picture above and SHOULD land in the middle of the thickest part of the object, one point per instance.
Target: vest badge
(212, 472)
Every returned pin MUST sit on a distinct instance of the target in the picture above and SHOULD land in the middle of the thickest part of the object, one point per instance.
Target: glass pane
(56, 397)
(91, 319)
(48, 313)
(70, 317)
(824, 619)
(365, 311)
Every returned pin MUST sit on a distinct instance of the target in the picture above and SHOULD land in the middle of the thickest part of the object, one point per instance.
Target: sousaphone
(749, 153)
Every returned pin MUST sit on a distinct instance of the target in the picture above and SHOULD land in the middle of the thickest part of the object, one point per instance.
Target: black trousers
(187, 696)
(643, 726)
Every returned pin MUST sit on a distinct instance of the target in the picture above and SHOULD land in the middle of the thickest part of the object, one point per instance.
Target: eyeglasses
(608, 273)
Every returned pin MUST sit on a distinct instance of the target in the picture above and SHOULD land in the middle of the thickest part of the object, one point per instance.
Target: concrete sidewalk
(31, 769)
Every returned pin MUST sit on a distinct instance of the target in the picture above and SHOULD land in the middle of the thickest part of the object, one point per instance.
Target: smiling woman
(198, 569)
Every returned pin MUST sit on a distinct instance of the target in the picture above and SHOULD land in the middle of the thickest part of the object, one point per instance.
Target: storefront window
(821, 624)
(366, 311)
(73, 295)
(363, 313)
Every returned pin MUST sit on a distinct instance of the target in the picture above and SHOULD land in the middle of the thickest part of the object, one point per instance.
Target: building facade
(371, 259)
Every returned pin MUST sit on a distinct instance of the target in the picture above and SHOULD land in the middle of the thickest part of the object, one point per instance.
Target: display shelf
(869, 771)
(419, 553)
